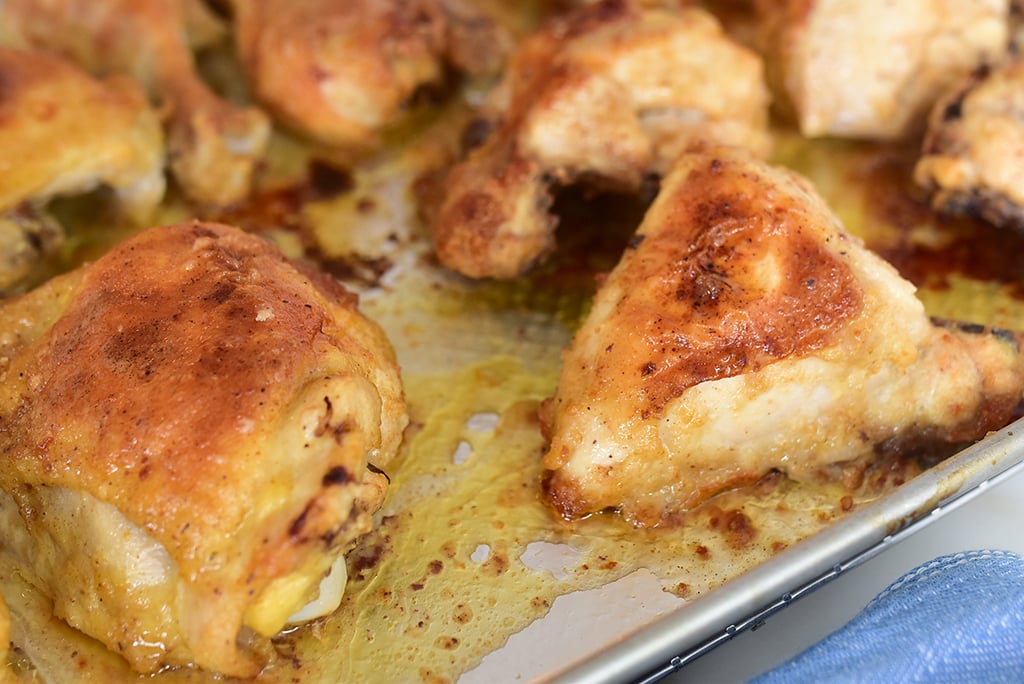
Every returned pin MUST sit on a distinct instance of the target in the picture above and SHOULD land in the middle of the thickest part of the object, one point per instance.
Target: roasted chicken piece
(341, 72)
(873, 68)
(213, 145)
(743, 332)
(973, 152)
(193, 431)
(610, 93)
(64, 132)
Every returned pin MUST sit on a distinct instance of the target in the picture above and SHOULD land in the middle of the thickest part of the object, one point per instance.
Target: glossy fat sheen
(64, 132)
(873, 68)
(973, 153)
(745, 331)
(213, 144)
(222, 403)
(611, 92)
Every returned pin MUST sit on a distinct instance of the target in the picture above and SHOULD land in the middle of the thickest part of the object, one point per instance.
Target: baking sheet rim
(697, 627)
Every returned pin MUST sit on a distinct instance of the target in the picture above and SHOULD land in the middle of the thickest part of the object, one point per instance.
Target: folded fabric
(958, 618)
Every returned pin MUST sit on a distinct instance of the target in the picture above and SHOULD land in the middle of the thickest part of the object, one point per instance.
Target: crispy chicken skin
(745, 331)
(213, 144)
(873, 68)
(64, 132)
(341, 72)
(973, 153)
(191, 429)
(610, 92)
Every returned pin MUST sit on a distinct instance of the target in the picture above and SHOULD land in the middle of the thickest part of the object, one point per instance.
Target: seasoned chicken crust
(611, 93)
(745, 331)
(192, 431)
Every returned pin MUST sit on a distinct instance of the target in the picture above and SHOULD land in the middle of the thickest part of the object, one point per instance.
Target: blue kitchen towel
(958, 618)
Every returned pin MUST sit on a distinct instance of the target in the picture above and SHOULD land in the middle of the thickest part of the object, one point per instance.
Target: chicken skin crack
(609, 93)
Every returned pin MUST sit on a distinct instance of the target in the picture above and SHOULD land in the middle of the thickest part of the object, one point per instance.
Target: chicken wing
(610, 92)
(193, 431)
(745, 331)
(873, 68)
(213, 145)
(341, 72)
(973, 152)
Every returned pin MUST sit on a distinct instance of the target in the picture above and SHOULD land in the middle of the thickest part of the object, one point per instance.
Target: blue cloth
(958, 618)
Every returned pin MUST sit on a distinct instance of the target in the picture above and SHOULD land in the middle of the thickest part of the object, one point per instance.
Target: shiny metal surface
(668, 644)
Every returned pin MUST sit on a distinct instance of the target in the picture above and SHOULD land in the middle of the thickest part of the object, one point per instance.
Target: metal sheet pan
(744, 603)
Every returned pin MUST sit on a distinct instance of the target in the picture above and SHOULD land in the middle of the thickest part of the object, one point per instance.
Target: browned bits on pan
(735, 526)
(327, 181)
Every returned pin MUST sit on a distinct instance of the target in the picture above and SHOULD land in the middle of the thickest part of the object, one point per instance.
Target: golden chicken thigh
(973, 154)
(610, 92)
(873, 68)
(338, 71)
(745, 331)
(64, 132)
(341, 72)
(213, 145)
(193, 431)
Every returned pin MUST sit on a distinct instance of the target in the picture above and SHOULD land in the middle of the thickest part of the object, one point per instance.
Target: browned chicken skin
(973, 153)
(63, 132)
(192, 431)
(213, 145)
(610, 92)
(341, 72)
(745, 331)
(873, 68)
